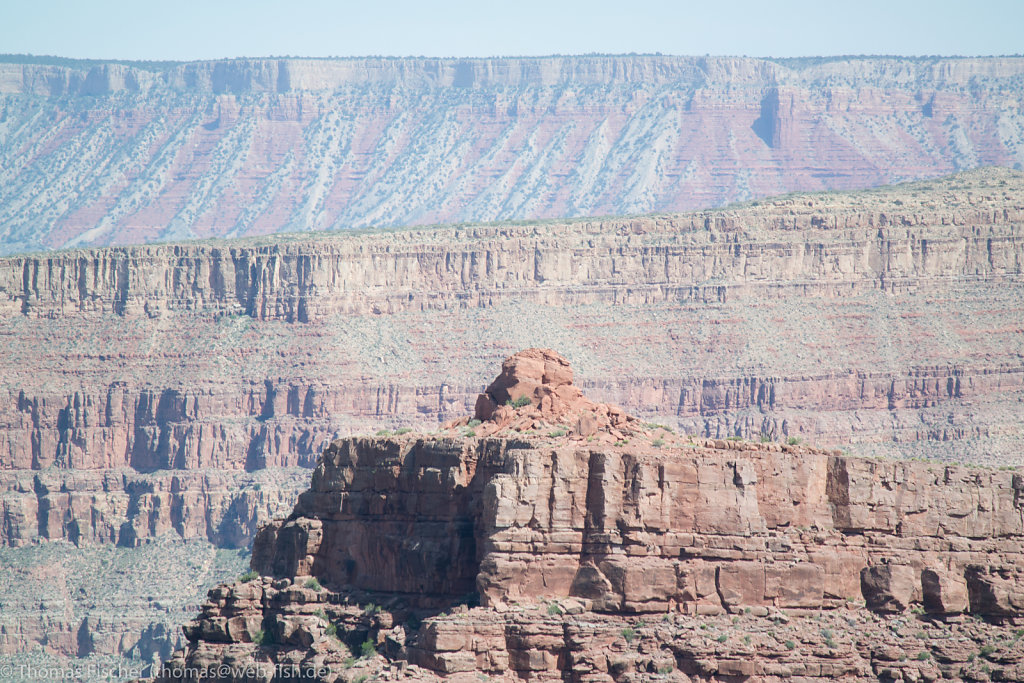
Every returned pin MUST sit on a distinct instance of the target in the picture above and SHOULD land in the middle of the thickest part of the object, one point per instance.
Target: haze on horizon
(198, 29)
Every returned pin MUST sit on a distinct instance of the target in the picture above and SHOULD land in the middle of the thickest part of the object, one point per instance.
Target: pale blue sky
(207, 29)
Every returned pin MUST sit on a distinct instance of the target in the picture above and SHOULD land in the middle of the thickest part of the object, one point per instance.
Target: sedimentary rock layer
(692, 527)
(115, 154)
(561, 537)
(882, 320)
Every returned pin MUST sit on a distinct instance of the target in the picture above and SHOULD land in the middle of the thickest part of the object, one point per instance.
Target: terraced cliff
(175, 393)
(98, 154)
(565, 519)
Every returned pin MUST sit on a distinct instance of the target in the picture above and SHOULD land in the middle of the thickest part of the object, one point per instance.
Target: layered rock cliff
(571, 517)
(153, 392)
(97, 154)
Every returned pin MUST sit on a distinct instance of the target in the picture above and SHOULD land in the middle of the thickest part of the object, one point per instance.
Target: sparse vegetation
(402, 430)
(383, 432)
(554, 610)
(557, 433)
(313, 584)
(367, 649)
(249, 576)
(722, 638)
(259, 637)
(658, 443)
(923, 655)
(519, 402)
(474, 423)
(629, 634)
(790, 645)
(793, 441)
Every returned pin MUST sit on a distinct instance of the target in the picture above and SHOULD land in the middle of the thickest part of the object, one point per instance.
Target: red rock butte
(521, 546)
(534, 391)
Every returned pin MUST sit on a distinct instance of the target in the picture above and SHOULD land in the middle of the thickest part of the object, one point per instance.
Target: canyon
(102, 153)
(176, 396)
(550, 523)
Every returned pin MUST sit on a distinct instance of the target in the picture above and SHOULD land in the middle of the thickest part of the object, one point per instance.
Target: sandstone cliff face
(549, 502)
(116, 154)
(701, 529)
(657, 526)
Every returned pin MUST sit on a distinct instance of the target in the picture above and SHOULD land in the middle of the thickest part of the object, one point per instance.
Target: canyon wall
(98, 154)
(563, 539)
(163, 393)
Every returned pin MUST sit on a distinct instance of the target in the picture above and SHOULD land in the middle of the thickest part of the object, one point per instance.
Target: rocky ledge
(551, 537)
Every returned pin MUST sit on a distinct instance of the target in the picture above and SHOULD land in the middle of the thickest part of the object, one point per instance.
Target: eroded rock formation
(595, 527)
(111, 153)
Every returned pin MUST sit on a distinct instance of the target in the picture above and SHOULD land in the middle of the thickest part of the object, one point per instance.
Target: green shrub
(468, 431)
(986, 650)
(658, 443)
(331, 630)
(722, 638)
(557, 433)
(793, 440)
(519, 402)
(383, 432)
(629, 634)
(734, 438)
(320, 613)
(313, 584)
(666, 669)
(554, 610)
(474, 423)
(923, 655)
(765, 438)
(790, 645)
(367, 649)
(249, 576)
(403, 430)
(621, 442)
(260, 637)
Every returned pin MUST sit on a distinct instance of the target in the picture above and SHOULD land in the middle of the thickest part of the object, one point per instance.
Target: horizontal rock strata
(111, 153)
(562, 539)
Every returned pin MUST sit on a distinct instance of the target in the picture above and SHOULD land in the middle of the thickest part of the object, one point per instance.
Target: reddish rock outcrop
(535, 390)
(592, 533)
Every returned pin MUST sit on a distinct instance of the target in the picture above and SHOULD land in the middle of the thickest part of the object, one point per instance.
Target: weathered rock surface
(881, 320)
(563, 537)
(125, 508)
(115, 154)
(884, 321)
